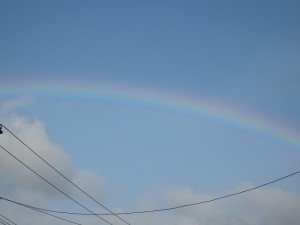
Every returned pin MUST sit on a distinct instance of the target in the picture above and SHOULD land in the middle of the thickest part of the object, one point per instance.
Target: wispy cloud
(266, 206)
(19, 183)
(11, 105)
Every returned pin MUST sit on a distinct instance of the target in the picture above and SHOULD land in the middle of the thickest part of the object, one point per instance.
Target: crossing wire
(78, 203)
(3, 222)
(7, 219)
(62, 175)
(40, 210)
(162, 209)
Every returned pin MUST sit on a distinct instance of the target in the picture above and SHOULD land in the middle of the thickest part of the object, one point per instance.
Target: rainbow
(160, 100)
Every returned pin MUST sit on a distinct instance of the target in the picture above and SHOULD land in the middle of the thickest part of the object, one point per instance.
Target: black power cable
(158, 210)
(62, 175)
(62, 192)
(3, 222)
(44, 211)
(10, 221)
(40, 210)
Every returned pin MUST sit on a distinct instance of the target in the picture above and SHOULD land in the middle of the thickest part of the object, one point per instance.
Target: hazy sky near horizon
(151, 104)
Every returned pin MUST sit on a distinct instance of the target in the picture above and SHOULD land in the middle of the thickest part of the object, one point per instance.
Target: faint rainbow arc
(164, 100)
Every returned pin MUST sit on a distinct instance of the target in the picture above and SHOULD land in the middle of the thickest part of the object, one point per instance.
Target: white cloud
(11, 105)
(91, 183)
(263, 206)
(35, 136)
(266, 206)
(20, 184)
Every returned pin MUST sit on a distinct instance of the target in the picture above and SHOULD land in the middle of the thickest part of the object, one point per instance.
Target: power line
(40, 210)
(7, 219)
(62, 175)
(78, 203)
(57, 217)
(133, 212)
(3, 222)
(162, 209)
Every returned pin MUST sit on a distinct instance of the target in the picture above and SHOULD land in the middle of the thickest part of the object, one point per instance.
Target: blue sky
(213, 49)
(113, 92)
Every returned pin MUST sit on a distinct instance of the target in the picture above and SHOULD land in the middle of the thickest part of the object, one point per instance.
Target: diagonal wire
(78, 203)
(163, 209)
(47, 212)
(58, 217)
(67, 179)
(3, 222)
(7, 219)
(41, 211)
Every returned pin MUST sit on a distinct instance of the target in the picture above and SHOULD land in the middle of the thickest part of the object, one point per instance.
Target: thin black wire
(163, 209)
(3, 222)
(47, 212)
(7, 219)
(40, 210)
(78, 203)
(71, 182)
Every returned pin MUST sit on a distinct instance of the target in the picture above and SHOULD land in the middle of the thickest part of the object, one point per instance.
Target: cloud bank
(11, 105)
(262, 206)
(266, 206)
(21, 184)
